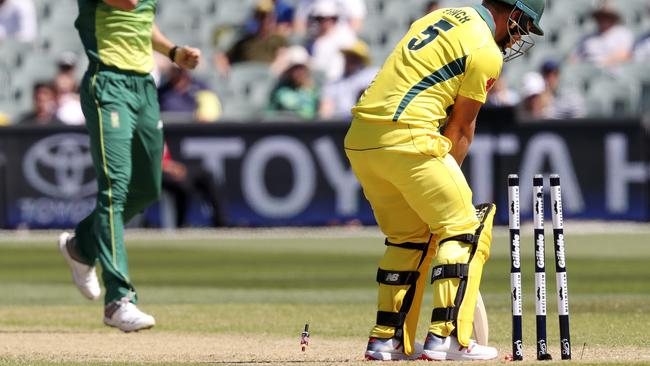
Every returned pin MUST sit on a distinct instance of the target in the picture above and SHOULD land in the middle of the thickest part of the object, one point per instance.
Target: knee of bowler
(143, 198)
(111, 199)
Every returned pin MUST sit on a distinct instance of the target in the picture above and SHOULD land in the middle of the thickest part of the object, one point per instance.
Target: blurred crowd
(541, 95)
(310, 60)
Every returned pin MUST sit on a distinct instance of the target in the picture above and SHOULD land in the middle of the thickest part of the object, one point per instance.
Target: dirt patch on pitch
(159, 347)
(171, 347)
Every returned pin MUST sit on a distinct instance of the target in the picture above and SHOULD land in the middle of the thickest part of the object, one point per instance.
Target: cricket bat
(481, 330)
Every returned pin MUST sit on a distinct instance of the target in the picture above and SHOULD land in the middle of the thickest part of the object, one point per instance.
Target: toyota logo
(61, 166)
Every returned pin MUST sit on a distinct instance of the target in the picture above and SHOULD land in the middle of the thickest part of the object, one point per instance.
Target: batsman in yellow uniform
(410, 132)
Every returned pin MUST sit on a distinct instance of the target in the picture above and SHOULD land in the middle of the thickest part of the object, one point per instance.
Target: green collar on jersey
(487, 17)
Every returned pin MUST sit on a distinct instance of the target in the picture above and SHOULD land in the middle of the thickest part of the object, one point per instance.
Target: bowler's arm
(185, 57)
(122, 4)
(460, 126)
(160, 42)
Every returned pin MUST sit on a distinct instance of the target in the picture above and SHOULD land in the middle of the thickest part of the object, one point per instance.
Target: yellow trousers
(418, 195)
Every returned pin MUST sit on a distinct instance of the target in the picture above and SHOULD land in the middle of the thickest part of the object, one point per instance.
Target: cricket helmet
(533, 9)
(520, 24)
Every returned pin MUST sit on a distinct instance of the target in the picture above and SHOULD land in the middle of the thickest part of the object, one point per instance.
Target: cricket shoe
(125, 316)
(447, 348)
(389, 349)
(83, 275)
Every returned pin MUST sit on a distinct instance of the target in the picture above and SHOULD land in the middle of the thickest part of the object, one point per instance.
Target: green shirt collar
(487, 17)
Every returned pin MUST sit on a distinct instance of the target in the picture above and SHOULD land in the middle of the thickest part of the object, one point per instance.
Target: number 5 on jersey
(431, 33)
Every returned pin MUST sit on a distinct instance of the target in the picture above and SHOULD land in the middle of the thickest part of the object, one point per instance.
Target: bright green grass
(273, 286)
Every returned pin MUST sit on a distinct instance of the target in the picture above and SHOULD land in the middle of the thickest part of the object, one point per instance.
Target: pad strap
(391, 319)
(444, 314)
(414, 246)
(397, 278)
(458, 270)
(463, 238)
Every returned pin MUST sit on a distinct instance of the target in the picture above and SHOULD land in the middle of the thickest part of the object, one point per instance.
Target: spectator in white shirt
(611, 44)
(535, 99)
(352, 13)
(340, 96)
(67, 90)
(17, 20)
(327, 39)
(564, 102)
(544, 97)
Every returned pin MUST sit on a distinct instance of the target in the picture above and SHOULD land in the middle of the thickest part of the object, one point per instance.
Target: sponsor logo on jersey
(490, 84)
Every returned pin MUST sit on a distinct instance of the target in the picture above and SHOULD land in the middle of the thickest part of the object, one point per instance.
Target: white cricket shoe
(125, 316)
(83, 275)
(389, 349)
(448, 348)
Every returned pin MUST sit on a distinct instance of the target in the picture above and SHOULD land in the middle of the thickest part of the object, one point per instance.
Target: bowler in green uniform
(119, 101)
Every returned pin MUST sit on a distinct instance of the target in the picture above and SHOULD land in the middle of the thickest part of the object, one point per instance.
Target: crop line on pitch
(269, 362)
(577, 227)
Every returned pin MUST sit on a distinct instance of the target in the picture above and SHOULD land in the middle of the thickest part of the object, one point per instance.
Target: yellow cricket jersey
(446, 53)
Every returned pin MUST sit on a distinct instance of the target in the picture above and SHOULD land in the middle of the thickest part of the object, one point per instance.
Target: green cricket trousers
(126, 142)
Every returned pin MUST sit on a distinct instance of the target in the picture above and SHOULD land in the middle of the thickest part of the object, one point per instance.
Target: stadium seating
(213, 25)
(610, 96)
(579, 75)
(247, 90)
(638, 74)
